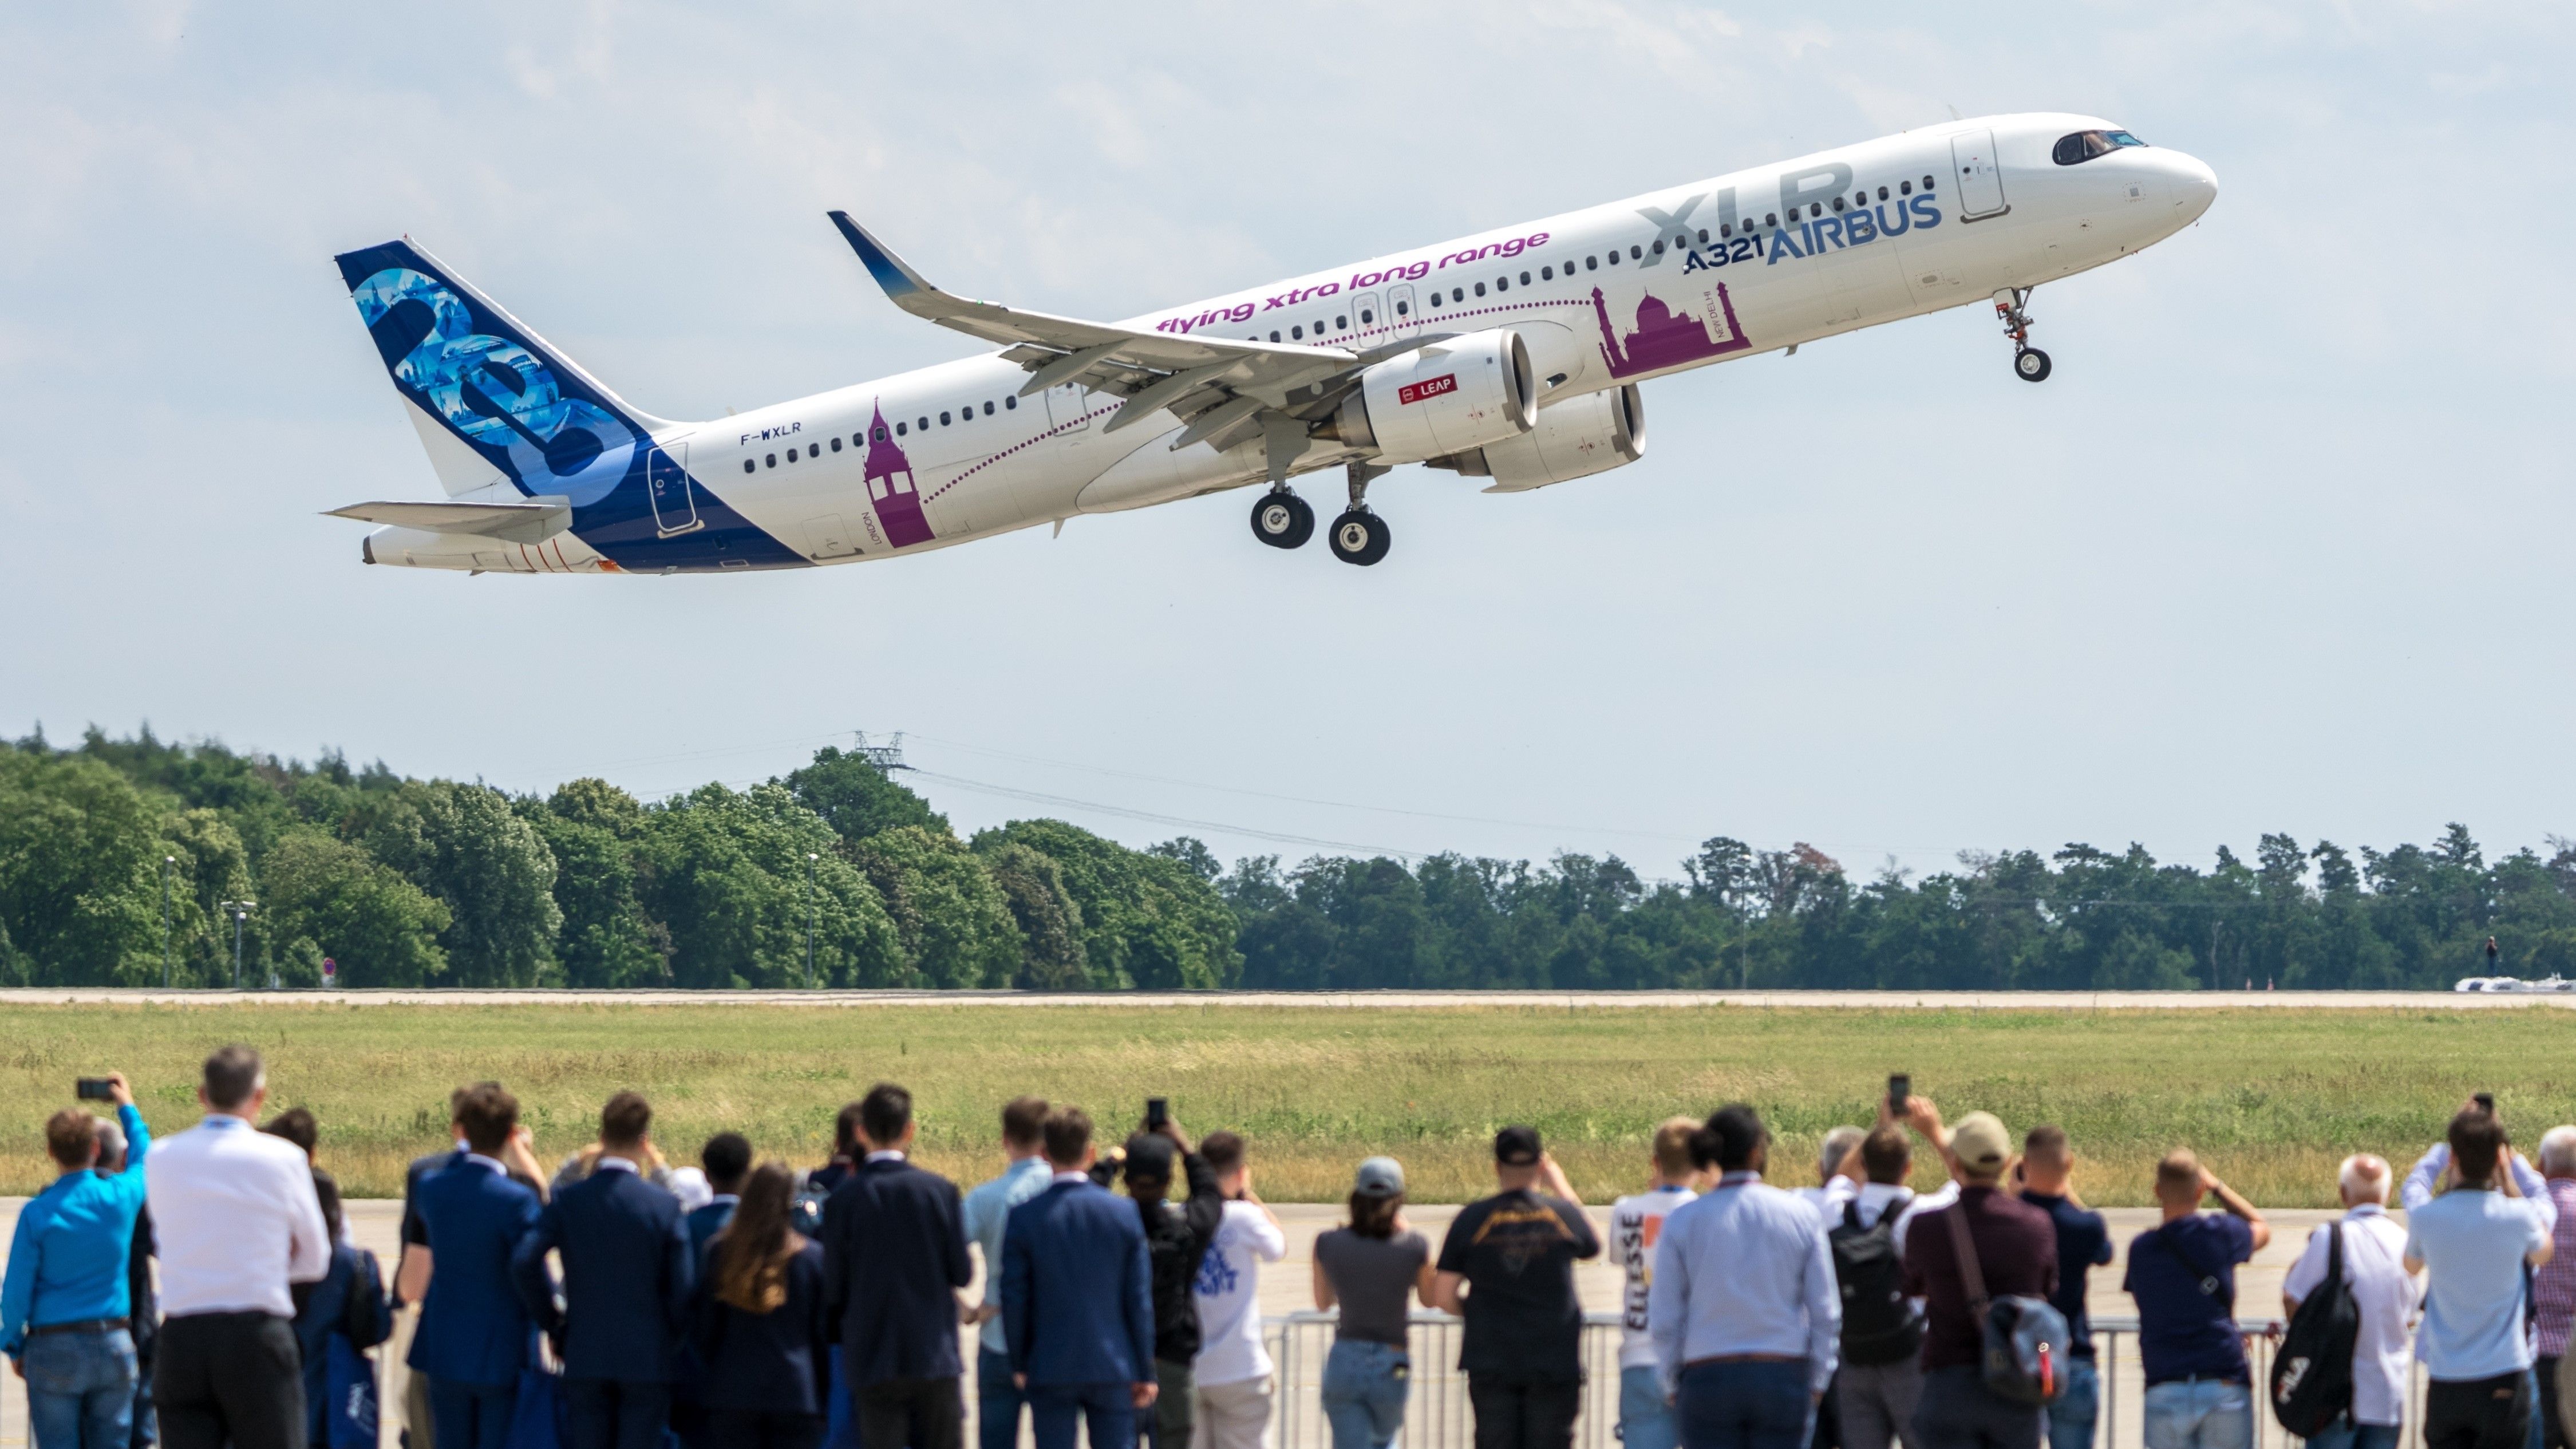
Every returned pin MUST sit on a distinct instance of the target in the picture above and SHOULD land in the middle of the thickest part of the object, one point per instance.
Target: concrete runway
(1348, 1000)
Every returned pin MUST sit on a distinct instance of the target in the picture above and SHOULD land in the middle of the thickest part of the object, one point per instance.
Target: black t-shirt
(1517, 1251)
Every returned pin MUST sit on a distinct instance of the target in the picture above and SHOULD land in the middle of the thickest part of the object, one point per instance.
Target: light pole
(813, 908)
(241, 913)
(168, 862)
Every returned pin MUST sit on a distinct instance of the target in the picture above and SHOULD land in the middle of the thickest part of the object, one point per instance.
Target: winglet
(900, 281)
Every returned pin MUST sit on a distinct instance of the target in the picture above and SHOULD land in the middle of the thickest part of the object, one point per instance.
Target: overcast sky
(2283, 545)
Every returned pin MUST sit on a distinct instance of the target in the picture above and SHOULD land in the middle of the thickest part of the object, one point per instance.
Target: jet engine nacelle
(1446, 397)
(1576, 438)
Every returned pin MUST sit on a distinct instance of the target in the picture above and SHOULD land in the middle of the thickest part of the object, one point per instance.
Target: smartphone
(1899, 1087)
(2485, 1101)
(1158, 1110)
(94, 1089)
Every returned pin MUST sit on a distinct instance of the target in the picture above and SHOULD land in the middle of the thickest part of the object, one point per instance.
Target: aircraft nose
(2195, 186)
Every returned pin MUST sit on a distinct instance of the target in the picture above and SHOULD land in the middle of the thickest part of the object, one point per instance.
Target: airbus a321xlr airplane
(1513, 355)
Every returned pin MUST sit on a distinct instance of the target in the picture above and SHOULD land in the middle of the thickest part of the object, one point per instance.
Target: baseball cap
(1379, 1177)
(1981, 1144)
(1516, 1146)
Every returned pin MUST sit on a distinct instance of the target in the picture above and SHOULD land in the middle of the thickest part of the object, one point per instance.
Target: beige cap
(1981, 1144)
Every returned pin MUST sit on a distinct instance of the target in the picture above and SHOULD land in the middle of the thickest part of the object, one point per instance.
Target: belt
(86, 1325)
(1747, 1358)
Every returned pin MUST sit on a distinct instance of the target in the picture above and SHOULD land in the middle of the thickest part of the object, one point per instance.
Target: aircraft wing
(1226, 384)
(516, 522)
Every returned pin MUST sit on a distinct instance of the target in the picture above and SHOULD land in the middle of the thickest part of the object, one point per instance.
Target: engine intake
(1576, 438)
(1447, 397)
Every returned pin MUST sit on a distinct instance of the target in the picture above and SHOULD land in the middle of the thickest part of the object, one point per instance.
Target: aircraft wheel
(2030, 365)
(1282, 519)
(1359, 537)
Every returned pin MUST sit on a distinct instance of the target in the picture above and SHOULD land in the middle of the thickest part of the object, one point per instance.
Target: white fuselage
(1751, 262)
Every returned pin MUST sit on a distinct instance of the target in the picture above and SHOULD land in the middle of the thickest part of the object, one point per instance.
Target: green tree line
(115, 850)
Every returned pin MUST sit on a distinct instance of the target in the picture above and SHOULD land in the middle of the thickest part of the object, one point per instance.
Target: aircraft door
(1066, 404)
(1369, 316)
(1981, 184)
(1407, 318)
(666, 483)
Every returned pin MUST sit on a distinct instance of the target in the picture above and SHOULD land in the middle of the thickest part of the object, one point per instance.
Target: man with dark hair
(2014, 1248)
(2472, 1243)
(727, 1160)
(1514, 1254)
(1078, 1299)
(987, 1211)
(2183, 1275)
(66, 1304)
(1881, 1380)
(237, 1222)
(1230, 1378)
(296, 1125)
(626, 1276)
(474, 1336)
(1743, 1309)
(2083, 1244)
(1177, 1239)
(894, 1260)
(142, 1292)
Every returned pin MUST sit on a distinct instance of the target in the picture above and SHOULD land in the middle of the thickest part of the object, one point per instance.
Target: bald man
(2374, 1265)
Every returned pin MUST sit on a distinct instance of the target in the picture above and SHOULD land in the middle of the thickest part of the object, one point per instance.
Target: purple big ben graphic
(1666, 338)
(890, 487)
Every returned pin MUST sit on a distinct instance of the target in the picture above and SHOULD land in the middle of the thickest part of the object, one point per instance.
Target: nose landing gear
(2029, 363)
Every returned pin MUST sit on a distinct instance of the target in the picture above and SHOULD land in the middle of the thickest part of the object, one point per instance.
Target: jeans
(472, 1416)
(1744, 1405)
(2479, 1413)
(2553, 1429)
(1958, 1411)
(997, 1400)
(2199, 1414)
(2078, 1405)
(1520, 1413)
(1877, 1402)
(1107, 1410)
(80, 1388)
(1645, 1420)
(2343, 1433)
(615, 1413)
(1364, 1389)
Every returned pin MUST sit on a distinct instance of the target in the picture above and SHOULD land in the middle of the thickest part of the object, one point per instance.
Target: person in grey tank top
(1369, 1268)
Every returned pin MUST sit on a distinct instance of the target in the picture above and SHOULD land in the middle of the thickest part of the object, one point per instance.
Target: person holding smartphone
(65, 1304)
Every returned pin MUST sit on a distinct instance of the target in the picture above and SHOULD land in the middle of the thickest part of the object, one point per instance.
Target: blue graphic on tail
(533, 417)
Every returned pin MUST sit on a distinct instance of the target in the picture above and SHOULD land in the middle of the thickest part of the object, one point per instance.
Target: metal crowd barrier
(1437, 1416)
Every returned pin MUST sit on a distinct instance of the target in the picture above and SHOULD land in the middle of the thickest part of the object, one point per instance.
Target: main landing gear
(2029, 363)
(1281, 519)
(1359, 536)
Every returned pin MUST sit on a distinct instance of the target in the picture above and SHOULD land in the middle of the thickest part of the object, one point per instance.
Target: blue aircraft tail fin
(491, 399)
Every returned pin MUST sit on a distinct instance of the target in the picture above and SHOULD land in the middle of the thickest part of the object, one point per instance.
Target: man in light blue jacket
(65, 1310)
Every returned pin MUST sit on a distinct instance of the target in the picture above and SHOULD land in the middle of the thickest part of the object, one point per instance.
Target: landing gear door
(1981, 183)
(666, 483)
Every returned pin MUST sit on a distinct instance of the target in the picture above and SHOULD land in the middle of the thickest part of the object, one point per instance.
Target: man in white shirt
(1233, 1370)
(237, 1222)
(2374, 1267)
(1636, 1224)
(1881, 1379)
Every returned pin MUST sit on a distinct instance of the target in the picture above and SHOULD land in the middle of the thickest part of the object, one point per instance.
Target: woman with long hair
(758, 1325)
(1368, 1267)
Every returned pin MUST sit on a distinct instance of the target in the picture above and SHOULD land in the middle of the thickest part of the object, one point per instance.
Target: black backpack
(2023, 1337)
(2312, 1370)
(1880, 1324)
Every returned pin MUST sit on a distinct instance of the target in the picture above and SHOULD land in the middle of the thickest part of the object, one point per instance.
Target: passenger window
(1297, 334)
(1341, 324)
(1703, 236)
(1368, 316)
(1726, 228)
(1524, 279)
(1274, 335)
(749, 466)
(1882, 193)
(1456, 295)
(771, 459)
(1903, 188)
(922, 423)
(881, 431)
(1480, 289)
(1838, 203)
(1613, 257)
(836, 442)
(988, 410)
(1635, 253)
(1547, 274)
(943, 419)
(1435, 299)
(1010, 402)
(1659, 246)
(1403, 310)
(1927, 183)
(1771, 218)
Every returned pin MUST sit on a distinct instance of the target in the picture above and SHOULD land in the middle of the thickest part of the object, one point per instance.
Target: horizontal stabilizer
(511, 522)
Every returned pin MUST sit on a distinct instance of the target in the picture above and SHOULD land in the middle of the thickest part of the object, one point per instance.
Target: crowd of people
(202, 1291)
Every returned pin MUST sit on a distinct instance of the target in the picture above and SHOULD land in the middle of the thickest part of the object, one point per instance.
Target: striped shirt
(2553, 1288)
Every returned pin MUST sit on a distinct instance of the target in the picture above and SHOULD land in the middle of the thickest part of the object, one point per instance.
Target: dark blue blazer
(705, 1223)
(777, 1362)
(894, 1259)
(1078, 1288)
(473, 1327)
(626, 1277)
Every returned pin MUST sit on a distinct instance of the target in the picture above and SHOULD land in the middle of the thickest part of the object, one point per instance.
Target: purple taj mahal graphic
(890, 487)
(1666, 338)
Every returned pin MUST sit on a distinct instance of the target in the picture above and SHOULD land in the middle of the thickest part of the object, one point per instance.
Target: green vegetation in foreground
(2273, 1099)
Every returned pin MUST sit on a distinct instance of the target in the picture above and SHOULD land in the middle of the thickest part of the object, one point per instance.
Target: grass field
(2272, 1098)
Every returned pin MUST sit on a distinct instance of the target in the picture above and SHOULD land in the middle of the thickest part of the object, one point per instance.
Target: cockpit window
(2083, 146)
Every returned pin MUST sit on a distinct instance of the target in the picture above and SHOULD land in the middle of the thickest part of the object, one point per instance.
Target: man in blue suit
(626, 1288)
(727, 1160)
(474, 1336)
(1078, 1299)
(894, 1260)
